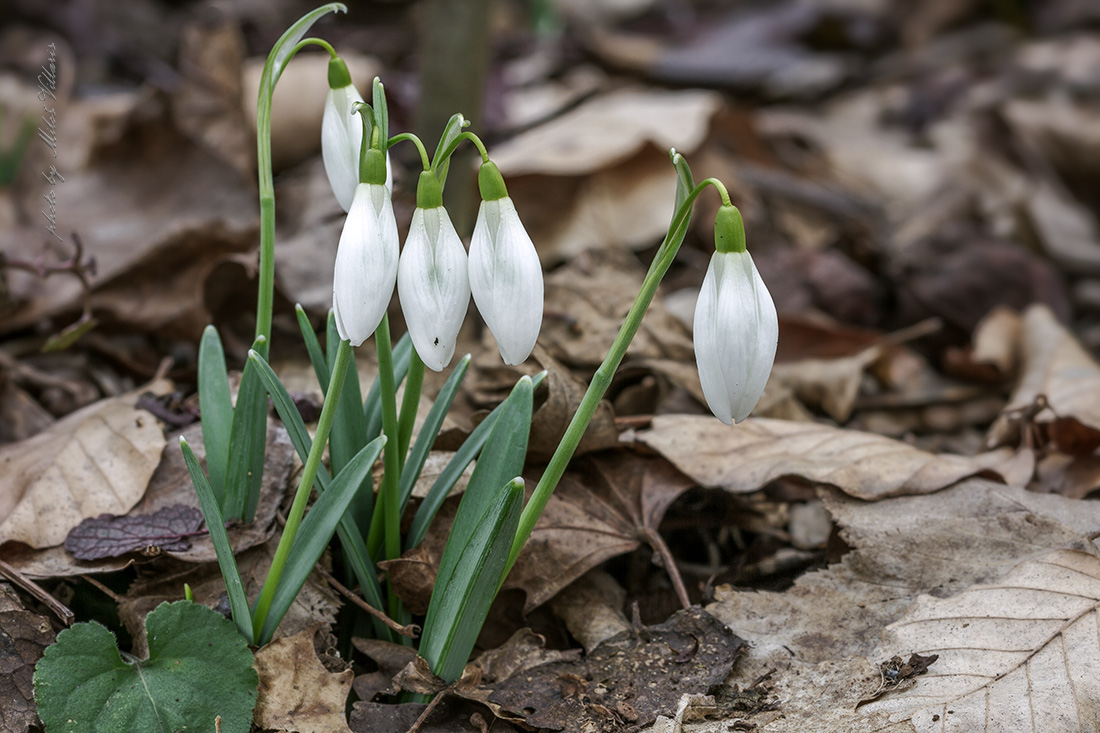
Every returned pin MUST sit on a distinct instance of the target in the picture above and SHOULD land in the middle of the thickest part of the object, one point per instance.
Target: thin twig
(428, 710)
(59, 609)
(654, 540)
(411, 631)
(104, 589)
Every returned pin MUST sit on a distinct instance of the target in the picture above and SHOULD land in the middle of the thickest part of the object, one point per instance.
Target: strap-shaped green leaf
(216, 407)
(458, 608)
(315, 532)
(500, 460)
(313, 346)
(430, 429)
(238, 602)
(247, 445)
(446, 480)
(355, 550)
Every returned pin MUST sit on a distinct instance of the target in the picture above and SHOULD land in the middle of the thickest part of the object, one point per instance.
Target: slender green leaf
(372, 406)
(355, 550)
(499, 461)
(238, 602)
(313, 346)
(247, 445)
(315, 532)
(216, 407)
(440, 164)
(349, 427)
(459, 607)
(685, 182)
(446, 480)
(280, 52)
(430, 429)
(381, 112)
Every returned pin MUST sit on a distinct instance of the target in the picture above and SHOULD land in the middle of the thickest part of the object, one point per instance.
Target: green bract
(198, 669)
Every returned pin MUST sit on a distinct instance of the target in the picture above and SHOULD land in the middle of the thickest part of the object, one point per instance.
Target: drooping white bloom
(434, 286)
(341, 139)
(506, 279)
(366, 264)
(736, 333)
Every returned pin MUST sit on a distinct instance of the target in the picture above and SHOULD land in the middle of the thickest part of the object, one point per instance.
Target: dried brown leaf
(1057, 371)
(745, 457)
(23, 637)
(97, 460)
(296, 692)
(1023, 648)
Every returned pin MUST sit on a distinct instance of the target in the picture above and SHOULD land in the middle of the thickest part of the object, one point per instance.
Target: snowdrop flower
(366, 263)
(342, 135)
(736, 327)
(432, 279)
(505, 272)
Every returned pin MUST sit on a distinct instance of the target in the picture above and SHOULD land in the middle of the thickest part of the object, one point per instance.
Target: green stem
(314, 42)
(389, 493)
(450, 149)
(416, 141)
(602, 378)
(301, 497)
(409, 404)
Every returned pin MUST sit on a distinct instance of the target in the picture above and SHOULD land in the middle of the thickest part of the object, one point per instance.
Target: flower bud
(366, 264)
(736, 327)
(432, 279)
(505, 272)
(341, 133)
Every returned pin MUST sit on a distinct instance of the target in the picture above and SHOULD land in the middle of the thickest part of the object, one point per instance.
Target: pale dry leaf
(97, 460)
(1022, 652)
(745, 457)
(296, 692)
(820, 638)
(1055, 367)
(609, 129)
(996, 338)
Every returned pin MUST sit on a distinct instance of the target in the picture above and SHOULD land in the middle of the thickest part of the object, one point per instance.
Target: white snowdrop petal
(434, 286)
(506, 279)
(341, 138)
(736, 330)
(366, 264)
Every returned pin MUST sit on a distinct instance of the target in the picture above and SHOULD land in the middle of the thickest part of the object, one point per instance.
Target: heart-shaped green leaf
(199, 668)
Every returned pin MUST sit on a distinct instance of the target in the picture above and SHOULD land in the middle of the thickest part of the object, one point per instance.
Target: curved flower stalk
(432, 278)
(505, 272)
(342, 133)
(736, 326)
(366, 264)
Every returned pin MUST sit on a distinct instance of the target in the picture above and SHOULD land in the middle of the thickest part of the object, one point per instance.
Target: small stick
(654, 540)
(411, 631)
(104, 589)
(59, 609)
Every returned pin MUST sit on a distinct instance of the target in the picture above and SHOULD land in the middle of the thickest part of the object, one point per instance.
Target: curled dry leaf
(97, 460)
(1056, 372)
(297, 693)
(1023, 648)
(867, 466)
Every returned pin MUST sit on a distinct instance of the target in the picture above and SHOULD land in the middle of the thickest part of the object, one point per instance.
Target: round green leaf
(199, 668)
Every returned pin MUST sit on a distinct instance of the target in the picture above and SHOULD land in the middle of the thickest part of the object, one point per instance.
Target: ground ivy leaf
(199, 668)
(109, 535)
